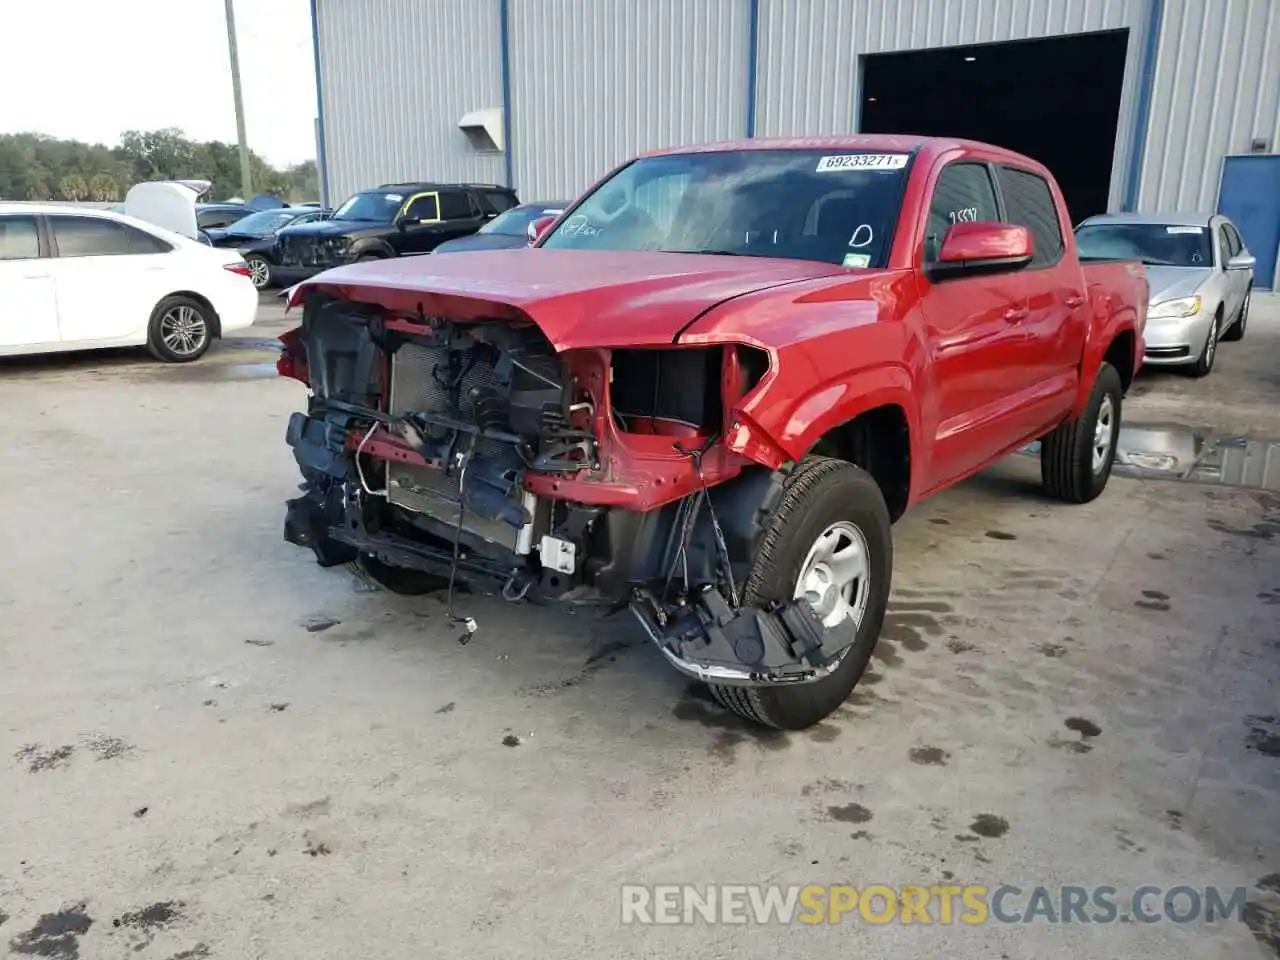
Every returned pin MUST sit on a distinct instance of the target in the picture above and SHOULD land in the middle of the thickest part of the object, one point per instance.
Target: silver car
(1200, 273)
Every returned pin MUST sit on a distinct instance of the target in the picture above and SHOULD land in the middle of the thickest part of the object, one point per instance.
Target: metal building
(547, 95)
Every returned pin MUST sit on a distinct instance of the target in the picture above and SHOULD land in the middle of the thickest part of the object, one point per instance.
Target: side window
(423, 207)
(1234, 243)
(98, 237)
(19, 238)
(963, 194)
(1028, 202)
(454, 205)
(499, 201)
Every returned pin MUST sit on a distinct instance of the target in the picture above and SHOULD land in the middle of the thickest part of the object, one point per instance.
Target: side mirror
(986, 247)
(538, 228)
(1242, 261)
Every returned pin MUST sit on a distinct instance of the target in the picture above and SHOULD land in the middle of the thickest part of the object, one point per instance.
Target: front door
(973, 335)
(1249, 197)
(28, 304)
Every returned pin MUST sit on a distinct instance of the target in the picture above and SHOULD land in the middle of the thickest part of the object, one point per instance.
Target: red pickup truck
(707, 391)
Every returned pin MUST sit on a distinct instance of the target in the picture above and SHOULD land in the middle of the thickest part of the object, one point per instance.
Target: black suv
(396, 219)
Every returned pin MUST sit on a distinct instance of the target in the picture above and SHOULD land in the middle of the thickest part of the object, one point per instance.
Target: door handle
(35, 276)
(1016, 314)
(1075, 300)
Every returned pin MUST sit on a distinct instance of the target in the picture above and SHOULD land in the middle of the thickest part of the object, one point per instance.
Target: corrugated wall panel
(1217, 87)
(809, 49)
(396, 77)
(594, 82)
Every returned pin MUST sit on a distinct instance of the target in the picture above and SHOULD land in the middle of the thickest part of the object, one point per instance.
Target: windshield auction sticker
(863, 161)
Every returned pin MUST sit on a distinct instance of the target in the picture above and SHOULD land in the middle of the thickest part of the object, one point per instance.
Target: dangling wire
(467, 623)
(722, 547)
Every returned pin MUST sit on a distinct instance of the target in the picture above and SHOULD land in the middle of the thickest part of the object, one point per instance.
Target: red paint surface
(978, 365)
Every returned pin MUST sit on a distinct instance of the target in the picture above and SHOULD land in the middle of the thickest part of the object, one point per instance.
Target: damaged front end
(467, 447)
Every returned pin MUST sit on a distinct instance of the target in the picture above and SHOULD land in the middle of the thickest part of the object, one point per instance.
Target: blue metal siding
(1217, 87)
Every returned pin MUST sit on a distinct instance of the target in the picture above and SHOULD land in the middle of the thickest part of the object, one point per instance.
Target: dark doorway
(1056, 100)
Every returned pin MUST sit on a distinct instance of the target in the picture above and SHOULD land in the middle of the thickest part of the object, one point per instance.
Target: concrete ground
(212, 748)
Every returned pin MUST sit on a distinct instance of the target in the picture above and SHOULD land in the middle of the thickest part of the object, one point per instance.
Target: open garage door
(1055, 99)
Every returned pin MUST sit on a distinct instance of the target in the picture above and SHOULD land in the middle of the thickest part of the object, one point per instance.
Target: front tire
(1204, 363)
(181, 330)
(1076, 457)
(1235, 332)
(829, 539)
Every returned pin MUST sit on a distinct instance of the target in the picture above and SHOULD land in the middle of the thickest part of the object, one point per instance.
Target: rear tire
(1076, 456)
(181, 330)
(1235, 332)
(259, 272)
(820, 495)
(366, 257)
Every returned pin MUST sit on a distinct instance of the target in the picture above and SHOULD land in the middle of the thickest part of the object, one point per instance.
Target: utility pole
(246, 181)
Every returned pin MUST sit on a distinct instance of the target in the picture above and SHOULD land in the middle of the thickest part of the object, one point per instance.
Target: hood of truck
(578, 298)
(334, 228)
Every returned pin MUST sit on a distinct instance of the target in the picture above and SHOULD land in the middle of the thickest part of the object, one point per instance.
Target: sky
(92, 69)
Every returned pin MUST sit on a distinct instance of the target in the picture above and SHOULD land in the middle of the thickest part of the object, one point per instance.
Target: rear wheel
(259, 271)
(180, 330)
(1204, 363)
(1076, 456)
(829, 540)
(366, 257)
(1236, 330)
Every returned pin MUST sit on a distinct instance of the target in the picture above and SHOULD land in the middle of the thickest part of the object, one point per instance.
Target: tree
(73, 187)
(38, 167)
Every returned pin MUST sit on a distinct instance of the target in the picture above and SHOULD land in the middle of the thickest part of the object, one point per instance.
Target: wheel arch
(878, 440)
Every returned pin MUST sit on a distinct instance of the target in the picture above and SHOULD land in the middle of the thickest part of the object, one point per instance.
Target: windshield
(374, 205)
(797, 204)
(1155, 244)
(514, 221)
(262, 223)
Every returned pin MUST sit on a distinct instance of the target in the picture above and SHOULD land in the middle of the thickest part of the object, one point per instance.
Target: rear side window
(1028, 202)
(96, 237)
(454, 205)
(964, 194)
(19, 239)
(1231, 244)
(498, 201)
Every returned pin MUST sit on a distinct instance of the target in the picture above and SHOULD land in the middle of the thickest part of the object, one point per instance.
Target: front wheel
(1204, 363)
(180, 330)
(1235, 332)
(1076, 457)
(829, 541)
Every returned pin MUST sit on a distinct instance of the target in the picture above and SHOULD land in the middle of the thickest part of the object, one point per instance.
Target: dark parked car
(507, 230)
(212, 216)
(393, 220)
(255, 237)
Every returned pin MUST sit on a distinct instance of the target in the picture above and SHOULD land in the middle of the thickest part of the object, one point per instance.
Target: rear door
(28, 303)
(108, 275)
(1057, 318)
(460, 214)
(974, 346)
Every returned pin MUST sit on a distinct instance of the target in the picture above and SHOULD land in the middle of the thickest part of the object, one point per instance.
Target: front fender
(783, 431)
(370, 245)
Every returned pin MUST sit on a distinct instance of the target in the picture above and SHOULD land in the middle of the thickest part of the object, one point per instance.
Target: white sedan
(73, 278)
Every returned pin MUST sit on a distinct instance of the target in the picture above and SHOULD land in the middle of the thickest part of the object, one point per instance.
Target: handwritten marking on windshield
(862, 236)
